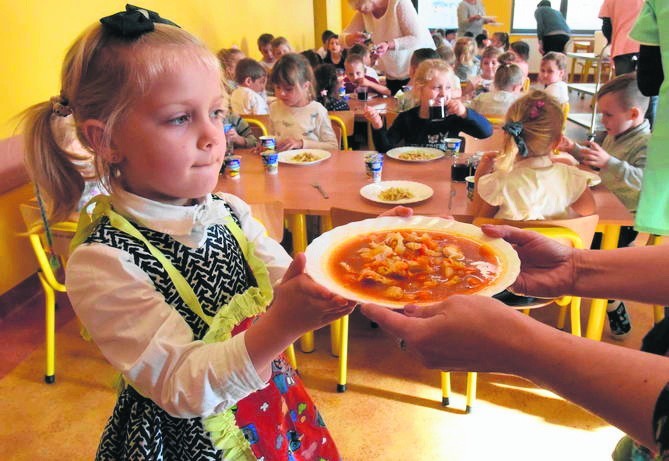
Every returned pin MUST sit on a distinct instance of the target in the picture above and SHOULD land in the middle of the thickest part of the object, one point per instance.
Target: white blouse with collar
(144, 337)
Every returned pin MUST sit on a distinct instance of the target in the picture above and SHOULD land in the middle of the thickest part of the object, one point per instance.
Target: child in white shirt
(524, 184)
(249, 96)
(506, 89)
(551, 75)
(297, 120)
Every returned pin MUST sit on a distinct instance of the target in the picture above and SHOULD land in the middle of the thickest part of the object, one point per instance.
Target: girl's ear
(94, 130)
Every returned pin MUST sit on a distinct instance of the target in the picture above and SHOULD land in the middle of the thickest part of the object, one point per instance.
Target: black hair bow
(515, 129)
(133, 22)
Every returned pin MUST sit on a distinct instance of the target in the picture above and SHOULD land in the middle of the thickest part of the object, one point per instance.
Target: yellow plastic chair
(259, 123)
(50, 257)
(566, 107)
(526, 84)
(343, 125)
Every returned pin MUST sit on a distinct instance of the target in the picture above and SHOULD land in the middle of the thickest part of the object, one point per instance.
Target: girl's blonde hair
(102, 76)
(540, 121)
(228, 57)
(293, 69)
(464, 50)
(427, 69)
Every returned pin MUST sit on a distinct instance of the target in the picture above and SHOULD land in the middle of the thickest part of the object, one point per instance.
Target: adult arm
(351, 34)
(650, 73)
(456, 335)
(414, 33)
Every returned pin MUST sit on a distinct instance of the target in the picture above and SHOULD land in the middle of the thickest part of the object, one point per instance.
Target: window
(581, 15)
(439, 14)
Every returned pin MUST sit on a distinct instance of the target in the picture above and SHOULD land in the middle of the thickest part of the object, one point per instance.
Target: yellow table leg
(297, 224)
(445, 388)
(471, 391)
(610, 234)
(290, 354)
(335, 337)
(343, 354)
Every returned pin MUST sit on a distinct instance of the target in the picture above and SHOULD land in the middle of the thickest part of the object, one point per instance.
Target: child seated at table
(551, 76)
(522, 183)
(367, 59)
(466, 64)
(406, 99)
(356, 79)
(482, 82)
(506, 89)
(335, 54)
(297, 120)
(229, 57)
(280, 46)
(249, 96)
(447, 54)
(265, 48)
(621, 159)
(414, 127)
(522, 52)
(500, 40)
(327, 88)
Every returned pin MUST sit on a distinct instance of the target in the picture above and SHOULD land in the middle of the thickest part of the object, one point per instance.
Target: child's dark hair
(521, 48)
(359, 49)
(249, 68)
(480, 38)
(313, 57)
(421, 54)
(503, 38)
(560, 59)
(326, 35)
(265, 39)
(626, 90)
(293, 69)
(326, 82)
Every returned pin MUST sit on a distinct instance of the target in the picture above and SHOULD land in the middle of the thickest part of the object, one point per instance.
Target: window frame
(564, 4)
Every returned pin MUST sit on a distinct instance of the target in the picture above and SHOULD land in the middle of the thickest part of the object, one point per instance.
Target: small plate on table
(396, 192)
(303, 156)
(415, 154)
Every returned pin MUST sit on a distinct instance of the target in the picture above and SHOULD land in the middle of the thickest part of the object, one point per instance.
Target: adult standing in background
(471, 17)
(650, 31)
(396, 31)
(552, 29)
(618, 17)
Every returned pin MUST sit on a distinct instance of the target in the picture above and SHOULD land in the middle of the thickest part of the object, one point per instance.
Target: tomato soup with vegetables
(412, 266)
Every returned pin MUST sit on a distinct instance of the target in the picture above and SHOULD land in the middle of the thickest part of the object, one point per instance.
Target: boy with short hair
(325, 37)
(507, 85)
(280, 46)
(551, 75)
(249, 96)
(363, 51)
(265, 48)
(355, 77)
(621, 158)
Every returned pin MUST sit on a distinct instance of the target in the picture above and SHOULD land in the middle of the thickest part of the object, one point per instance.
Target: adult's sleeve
(650, 73)
(413, 35)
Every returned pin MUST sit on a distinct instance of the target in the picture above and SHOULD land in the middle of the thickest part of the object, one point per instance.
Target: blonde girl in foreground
(174, 283)
(522, 183)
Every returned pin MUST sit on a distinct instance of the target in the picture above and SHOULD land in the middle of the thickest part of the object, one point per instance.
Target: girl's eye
(180, 120)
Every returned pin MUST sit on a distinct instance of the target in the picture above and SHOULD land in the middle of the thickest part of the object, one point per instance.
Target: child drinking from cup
(415, 127)
(170, 281)
(522, 183)
(405, 96)
(297, 120)
(551, 75)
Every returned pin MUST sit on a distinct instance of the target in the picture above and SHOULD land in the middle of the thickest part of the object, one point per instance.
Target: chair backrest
(341, 216)
(61, 234)
(494, 142)
(526, 84)
(565, 111)
(343, 126)
(583, 226)
(270, 215)
(260, 124)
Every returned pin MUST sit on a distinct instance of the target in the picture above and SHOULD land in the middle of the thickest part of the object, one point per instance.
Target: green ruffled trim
(227, 437)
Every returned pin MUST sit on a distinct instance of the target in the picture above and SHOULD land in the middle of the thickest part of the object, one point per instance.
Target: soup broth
(409, 266)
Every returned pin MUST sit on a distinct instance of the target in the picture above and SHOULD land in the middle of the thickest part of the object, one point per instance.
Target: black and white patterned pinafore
(279, 422)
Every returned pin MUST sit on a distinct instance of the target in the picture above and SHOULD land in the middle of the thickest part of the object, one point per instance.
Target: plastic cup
(233, 165)
(268, 143)
(270, 159)
(470, 187)
(374, 166)
(361, 91)
(452, 146)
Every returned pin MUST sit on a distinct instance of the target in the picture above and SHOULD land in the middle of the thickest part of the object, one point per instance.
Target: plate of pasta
(303, 156)
(415, 154)
(394, 261)
(396, 192)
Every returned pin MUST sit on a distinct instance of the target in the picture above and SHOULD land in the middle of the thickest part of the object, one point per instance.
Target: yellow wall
(36, 34)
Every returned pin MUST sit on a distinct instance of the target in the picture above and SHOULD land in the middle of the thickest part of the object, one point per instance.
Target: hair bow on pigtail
(133, 22)
(515, 129)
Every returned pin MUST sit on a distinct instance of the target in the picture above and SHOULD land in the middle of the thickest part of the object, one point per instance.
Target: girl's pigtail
(49, 165)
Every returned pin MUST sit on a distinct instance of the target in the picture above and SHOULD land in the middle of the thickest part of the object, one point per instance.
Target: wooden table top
(343, 175)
